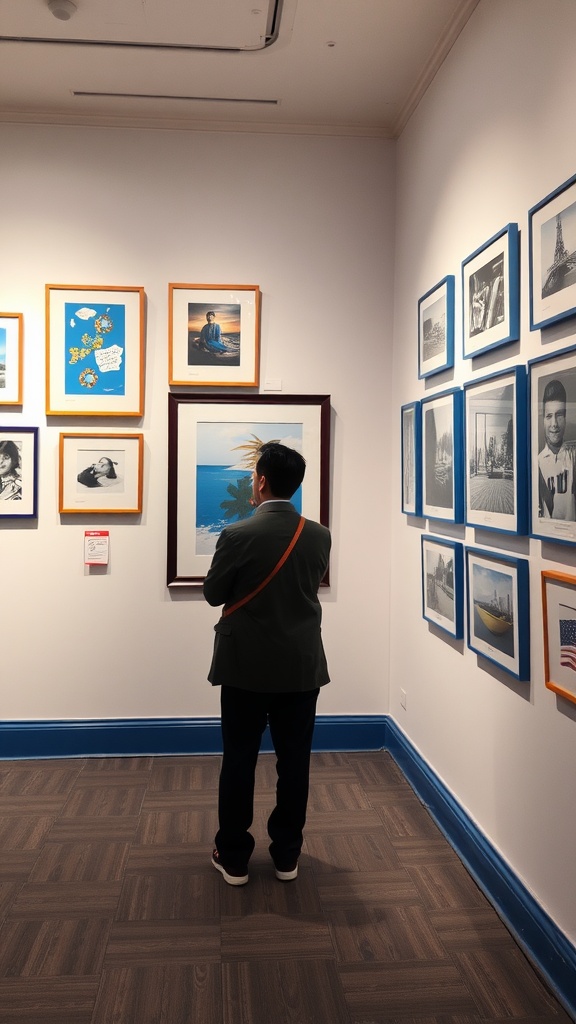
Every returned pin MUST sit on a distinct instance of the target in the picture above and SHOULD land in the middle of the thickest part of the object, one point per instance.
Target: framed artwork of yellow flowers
(101, 473)
(94, 350)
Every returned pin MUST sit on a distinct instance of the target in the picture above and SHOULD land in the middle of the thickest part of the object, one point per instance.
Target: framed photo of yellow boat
(559, 611)
(498, 610)
(442, 584)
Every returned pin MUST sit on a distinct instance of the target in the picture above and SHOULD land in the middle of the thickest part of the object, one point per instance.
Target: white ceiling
(354, 67)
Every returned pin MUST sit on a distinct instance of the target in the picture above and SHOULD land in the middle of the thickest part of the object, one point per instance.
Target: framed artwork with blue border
(18, 472)
(442, 457)
(94, 350)
(442, 584)
(491, 293)
(559, 613)
(411, 427)
(498, 610)
(496, 474)
(436, 328)
(552, 256)
(11, 352)
(552, 388)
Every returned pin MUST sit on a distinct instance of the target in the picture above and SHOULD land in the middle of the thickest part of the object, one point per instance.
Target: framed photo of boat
(552, 386)
(496, 474)
(411, 459)
(491, 293)
(442, 584)
(559, 610)
(442, 457)
(436, 328)
(498, 610)
(552, 256)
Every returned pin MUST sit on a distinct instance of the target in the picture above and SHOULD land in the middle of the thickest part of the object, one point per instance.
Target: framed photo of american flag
(559, 609)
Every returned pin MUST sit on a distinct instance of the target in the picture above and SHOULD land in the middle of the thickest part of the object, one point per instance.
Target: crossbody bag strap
(277, 567)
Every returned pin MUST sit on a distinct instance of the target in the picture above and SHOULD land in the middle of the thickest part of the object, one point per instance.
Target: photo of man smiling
(556, 498)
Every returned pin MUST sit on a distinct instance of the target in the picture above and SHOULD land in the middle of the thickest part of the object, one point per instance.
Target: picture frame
(498, 610)
(436, 328)
(231, 357)
(100, 473)
(442, 457)
(94, 350)
(552, 387)
(11, 358)
(491, 293)
(496, 447)
(559, 622)
(443, 584)
(212, 449)
(551, 247)
(411, 431)
(18, 472)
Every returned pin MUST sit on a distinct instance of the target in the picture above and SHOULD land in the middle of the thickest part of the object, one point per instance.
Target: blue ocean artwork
(226, 454)
(95, 349)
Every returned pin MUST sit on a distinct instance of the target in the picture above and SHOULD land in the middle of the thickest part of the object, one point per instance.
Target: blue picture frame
(436, 328)
(411, 431)
(491, 293)
(443, 584)
(552, 256)
(496, 452)
(442, 457)
(552, 466)
(19, 472)
(498, 610)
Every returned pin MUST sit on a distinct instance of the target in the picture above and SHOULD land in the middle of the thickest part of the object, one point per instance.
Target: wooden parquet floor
(110, 912)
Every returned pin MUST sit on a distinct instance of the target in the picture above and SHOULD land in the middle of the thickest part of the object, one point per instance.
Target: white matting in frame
(553, 446)
(491, 294)
(18, 472)
(552, 256)
(101, 473)
(559, 608)
(11, 344)
(498, 610)
(232, 313)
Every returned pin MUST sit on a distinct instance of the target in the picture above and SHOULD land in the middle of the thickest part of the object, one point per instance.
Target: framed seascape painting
(11, 345)
(552, 256)
(213, 446)
(491, 293)
(498, 610)
(559, 611)
(18, 472)
(94, 350)
(495, 417)
(442, 584)
(411, 459)
(442, 432)
(436, 328)
(214, 334)
(553, 446)
(101, 473)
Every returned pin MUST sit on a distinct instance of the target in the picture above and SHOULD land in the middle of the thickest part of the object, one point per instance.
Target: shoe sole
(231, 879)
(286, 876)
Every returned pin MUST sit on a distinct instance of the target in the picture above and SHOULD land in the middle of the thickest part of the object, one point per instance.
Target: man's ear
(261, 483)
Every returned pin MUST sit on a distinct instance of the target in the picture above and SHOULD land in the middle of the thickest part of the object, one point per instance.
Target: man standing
(269, 661)
(556, 479)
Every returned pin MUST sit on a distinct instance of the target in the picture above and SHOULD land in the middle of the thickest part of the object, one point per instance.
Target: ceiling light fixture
(62, 9)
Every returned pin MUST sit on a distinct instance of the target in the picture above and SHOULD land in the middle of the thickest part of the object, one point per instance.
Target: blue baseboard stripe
(535, 932)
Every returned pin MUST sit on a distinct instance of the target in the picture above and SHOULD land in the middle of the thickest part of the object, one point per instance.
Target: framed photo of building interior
(552, 256)
(559, 612)
(552, 386)
(18, 472)
(491, 293)
(411, 426)
(101, 473)
(94, 350)
(496, 473)
(443, 584)
(436, 328)
(498, 610)
(213, 445)
(214, 334)
(11, 356)
(442, 462)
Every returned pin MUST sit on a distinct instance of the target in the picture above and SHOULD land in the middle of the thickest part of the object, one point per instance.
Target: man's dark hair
(554, 392)
(283, 468)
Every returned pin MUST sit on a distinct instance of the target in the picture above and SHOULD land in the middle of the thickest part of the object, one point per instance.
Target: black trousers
(290, 717)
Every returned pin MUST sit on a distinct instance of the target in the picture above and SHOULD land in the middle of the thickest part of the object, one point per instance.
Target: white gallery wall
(493, 136)
(308, 220)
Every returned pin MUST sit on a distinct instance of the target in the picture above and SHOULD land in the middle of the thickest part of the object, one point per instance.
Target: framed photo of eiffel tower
(552, 254)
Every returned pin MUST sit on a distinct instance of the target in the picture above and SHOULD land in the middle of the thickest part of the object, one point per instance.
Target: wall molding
(533, 929)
